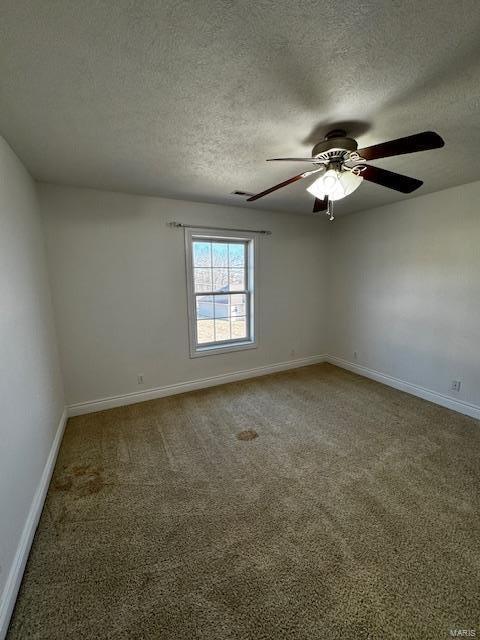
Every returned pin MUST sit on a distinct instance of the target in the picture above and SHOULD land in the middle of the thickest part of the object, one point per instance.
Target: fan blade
(391, 180)
(320, 205)
(419, 142)
(293, 160)
(277, 186)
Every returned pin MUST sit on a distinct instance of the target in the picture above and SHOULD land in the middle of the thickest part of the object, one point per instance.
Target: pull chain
(329, 210)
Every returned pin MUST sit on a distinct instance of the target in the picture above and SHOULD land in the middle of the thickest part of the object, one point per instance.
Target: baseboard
(14, 579)
(466, 408)
(102, 404)
(82, 408)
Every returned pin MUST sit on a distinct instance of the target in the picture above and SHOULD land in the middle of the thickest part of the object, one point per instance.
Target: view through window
(222, 305)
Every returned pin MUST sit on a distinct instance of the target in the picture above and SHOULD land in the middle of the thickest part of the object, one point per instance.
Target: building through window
(220, 270)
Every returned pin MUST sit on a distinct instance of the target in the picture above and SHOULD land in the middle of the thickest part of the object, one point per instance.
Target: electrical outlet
(456, 384)
(140, 378)
(355, 355)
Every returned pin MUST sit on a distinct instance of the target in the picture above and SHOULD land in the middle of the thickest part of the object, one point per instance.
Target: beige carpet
(347, 510)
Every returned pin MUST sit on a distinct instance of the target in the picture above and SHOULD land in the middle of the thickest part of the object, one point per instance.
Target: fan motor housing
(334, 147)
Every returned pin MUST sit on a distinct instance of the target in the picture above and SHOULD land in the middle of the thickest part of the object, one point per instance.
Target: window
(220, 272)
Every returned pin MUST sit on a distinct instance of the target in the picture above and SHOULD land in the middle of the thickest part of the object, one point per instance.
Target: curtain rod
(212, 228)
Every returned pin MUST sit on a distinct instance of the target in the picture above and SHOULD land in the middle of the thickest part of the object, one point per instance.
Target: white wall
(398, 284)
(404, 290)
(118, 280)
(31, 394)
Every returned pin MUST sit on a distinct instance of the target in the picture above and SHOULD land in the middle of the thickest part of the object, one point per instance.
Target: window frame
(251, 290)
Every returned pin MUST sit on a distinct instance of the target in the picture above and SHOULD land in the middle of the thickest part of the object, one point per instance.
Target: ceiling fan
(342, 167)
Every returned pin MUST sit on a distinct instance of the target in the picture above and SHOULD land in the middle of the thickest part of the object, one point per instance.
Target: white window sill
(213, 350)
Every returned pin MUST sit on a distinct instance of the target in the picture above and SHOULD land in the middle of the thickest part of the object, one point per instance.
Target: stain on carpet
(248, 434)
(79, 480)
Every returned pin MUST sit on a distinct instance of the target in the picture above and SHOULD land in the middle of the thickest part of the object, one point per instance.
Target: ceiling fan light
(335, 184)
(329, 181)
(325, 185)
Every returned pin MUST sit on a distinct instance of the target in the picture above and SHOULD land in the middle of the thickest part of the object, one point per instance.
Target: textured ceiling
(187, 99)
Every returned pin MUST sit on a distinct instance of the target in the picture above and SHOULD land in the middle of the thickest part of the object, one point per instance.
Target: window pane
(202, 256)
(236, 253)
(204, 307)
(219, 254)
(205, 331)
(239, 328)
(238, 305)
(236, 279)
(220, 279)
(220, 311)
(222, 306)
(203, 279)
(222, 330)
